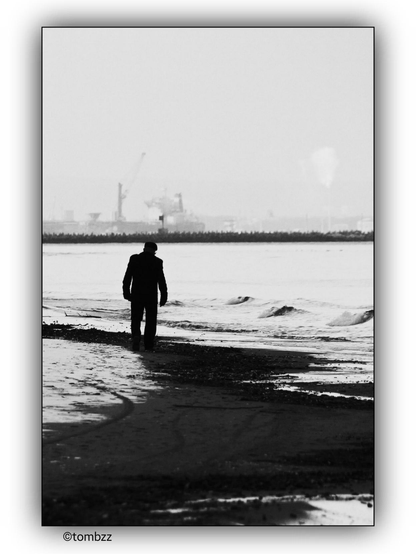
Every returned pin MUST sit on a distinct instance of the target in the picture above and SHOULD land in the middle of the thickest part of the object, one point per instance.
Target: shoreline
(235, 365)
(217, 430)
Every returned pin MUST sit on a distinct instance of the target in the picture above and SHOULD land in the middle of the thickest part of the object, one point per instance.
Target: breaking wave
(190, 326)
(239, 300)
(348, 318)
(175, 303)
(276, 312)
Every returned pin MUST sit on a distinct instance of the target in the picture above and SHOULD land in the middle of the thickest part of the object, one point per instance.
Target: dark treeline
(212, 236)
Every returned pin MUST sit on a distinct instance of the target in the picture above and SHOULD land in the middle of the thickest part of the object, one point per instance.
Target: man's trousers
(138, 307)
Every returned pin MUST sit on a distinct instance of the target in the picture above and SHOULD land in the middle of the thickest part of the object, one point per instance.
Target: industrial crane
(128, 180)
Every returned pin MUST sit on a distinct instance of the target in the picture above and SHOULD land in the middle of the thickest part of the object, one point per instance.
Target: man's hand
(127, 296)
(163, 300)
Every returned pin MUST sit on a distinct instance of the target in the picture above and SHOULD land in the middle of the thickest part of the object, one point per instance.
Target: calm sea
(314, 297)
(325, 284)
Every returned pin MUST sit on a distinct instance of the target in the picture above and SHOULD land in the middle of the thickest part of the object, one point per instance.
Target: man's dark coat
(145, 275)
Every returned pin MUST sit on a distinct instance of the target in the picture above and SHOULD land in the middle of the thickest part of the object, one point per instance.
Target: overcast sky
(243, 121)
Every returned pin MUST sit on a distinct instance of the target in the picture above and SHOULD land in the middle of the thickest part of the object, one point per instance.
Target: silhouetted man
(145, 275)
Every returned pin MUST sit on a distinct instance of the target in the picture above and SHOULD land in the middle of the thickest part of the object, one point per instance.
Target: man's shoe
(136, 344)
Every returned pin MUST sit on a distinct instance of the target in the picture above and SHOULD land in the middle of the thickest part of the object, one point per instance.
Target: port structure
(128, 181)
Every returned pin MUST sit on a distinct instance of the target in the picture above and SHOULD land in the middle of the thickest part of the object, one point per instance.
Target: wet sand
(217, 444)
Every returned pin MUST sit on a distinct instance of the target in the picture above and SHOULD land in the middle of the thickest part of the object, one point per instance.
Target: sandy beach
(216, 444)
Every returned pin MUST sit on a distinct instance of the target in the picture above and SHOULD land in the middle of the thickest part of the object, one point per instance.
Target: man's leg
(150, 327)
(136, 320)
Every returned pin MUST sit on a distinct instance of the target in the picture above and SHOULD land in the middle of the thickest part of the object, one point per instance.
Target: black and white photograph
(208, 276)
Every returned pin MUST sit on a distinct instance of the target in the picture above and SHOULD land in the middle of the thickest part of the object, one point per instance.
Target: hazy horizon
(241, 121)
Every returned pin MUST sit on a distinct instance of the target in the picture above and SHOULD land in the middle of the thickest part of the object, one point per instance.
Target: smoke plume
(325, 162)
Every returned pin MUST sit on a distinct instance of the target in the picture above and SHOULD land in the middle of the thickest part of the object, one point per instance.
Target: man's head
(150, 247)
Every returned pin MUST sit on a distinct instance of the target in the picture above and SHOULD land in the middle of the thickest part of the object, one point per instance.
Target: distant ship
(172, 215)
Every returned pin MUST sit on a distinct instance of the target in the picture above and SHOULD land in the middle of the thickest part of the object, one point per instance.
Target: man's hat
(150, 246)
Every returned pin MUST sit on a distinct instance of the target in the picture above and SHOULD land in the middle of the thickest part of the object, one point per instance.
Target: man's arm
(162, 287)
(127, 281)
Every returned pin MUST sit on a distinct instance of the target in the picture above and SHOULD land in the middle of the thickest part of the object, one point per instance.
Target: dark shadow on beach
(217, 429)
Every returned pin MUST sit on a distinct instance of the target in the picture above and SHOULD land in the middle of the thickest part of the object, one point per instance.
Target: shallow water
(80, 379)
(341, 509)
